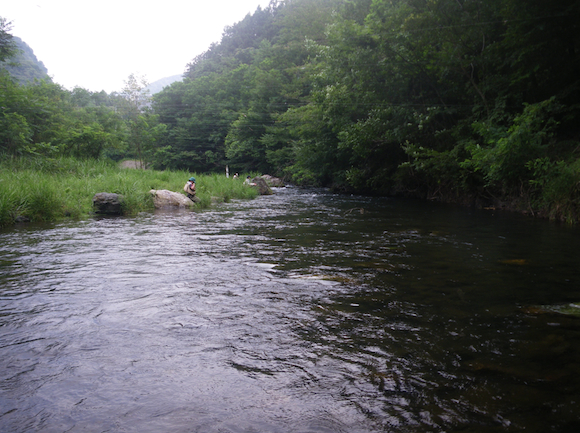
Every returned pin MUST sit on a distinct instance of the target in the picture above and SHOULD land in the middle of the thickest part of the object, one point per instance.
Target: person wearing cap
(189, 188)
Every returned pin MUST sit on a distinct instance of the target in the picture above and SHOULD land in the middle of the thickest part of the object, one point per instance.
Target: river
(303, 311)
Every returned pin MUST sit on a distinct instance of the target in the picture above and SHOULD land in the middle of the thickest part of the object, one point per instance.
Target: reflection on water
(291, 313)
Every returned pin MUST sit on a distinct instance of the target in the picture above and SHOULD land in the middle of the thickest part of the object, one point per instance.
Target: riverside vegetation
(474, 102)
(45, 189)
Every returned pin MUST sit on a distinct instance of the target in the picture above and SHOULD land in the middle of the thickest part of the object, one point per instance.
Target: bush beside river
(48, 189)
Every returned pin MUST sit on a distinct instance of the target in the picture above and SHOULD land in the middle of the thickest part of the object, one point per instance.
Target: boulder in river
(273, 181)
(108, 203)
(262, 186)
(164, 198)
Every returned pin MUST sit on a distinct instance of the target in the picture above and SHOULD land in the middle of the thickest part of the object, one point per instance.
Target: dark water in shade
(291, 313)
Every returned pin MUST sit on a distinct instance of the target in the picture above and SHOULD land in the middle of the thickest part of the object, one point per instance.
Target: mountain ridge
(158, 85)
(24, 66)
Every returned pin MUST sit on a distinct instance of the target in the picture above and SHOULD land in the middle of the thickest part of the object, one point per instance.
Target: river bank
(50, 189)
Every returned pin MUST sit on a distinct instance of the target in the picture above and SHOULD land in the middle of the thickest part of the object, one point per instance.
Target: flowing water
(298, 312)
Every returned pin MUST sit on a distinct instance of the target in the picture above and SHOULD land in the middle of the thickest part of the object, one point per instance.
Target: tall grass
(43, 189)
(559, 196)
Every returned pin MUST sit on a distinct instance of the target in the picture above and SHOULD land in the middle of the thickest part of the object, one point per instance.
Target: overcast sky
(98, 44)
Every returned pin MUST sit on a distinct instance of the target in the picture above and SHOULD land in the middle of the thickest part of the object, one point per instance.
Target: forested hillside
(469, 101)
(41, 119)
(24, 66)
(226, 111)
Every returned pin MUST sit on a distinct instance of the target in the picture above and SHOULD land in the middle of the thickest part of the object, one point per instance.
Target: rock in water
(262, 186)
(107, 203)
(273, 181)
(164, 198)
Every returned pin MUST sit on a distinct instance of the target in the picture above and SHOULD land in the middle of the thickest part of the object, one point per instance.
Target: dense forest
(468, 101)
(41, 119)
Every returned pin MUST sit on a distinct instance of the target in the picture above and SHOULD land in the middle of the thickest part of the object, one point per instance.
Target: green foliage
(218, 188)
(557, 188)
(41, 119)
(436, 174)
(504, 159)
(198, 114)
(142, 126)
(243, 145)
(8, 46)
(226, 109)
(447, 99)
(48, 189)
(23, 194)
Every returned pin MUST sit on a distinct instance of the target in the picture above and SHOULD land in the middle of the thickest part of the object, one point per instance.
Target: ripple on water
(290, 313)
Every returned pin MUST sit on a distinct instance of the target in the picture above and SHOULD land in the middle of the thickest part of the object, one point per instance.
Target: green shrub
(557, 187)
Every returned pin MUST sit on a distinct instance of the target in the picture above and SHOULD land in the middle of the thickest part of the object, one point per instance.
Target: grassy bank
(43, 189)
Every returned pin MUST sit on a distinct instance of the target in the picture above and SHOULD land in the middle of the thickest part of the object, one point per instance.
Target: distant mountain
(24, 66)
(157, 86)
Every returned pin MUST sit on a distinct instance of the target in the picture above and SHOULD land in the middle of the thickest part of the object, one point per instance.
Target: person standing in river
(189, 188)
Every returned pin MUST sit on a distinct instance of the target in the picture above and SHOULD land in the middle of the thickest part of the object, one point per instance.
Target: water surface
(299, 312)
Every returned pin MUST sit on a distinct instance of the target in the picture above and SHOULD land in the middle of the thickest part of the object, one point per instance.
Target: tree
(447, 99)
(136, 109)
(7, 45)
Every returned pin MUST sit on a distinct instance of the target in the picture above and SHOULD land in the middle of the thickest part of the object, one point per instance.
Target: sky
(98, 44)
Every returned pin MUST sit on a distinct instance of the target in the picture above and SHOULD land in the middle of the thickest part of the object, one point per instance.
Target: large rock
(108, 203)
(164, 198)
(262, 186)
(273, 181)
